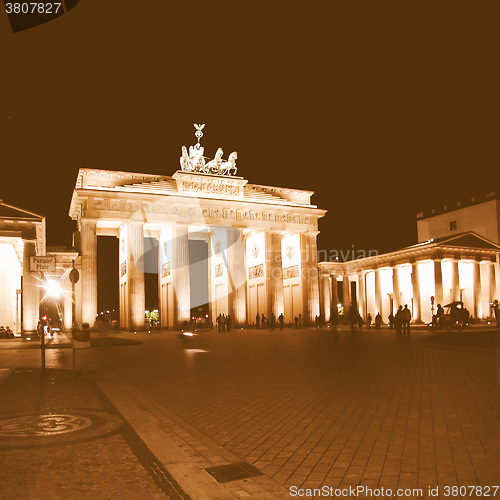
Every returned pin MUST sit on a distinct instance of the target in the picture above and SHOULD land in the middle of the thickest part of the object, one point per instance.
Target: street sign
(74, 276)
(47, 264)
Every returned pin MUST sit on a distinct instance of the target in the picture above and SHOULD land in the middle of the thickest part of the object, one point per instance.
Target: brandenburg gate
(261, 241)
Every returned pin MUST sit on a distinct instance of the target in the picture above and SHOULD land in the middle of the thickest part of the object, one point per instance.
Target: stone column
(455, 281)
(396, 291)
(210, 294)
(326, 297)
(378, 293)
(30, 295)
(78, 292)
(346, 293)
(180, 273)
(492, 282)
(309, 278)
(438, 282)
(67, 297)
(415, 282)
(237, 277)
(335, 298)
(274, 274)
(135, 274)
(362, 295)
(88, 238)
(476, 289)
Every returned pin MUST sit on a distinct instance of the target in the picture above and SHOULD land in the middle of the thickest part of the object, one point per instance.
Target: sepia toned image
(249, 250)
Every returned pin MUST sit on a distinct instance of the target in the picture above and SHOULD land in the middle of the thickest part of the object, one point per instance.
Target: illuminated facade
(22, 238)
(478, 214)
(261, 241)
(461, 267)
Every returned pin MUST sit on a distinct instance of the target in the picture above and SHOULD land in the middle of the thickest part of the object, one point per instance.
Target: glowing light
(53, 288)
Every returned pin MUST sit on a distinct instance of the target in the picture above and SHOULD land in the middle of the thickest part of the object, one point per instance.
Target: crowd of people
(6, 333)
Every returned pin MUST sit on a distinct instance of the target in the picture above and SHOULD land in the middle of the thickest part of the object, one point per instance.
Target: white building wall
(10, 281)
(483, 219)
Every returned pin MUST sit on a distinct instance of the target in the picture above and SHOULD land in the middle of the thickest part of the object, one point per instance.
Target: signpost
(81, 340)
(47, 264)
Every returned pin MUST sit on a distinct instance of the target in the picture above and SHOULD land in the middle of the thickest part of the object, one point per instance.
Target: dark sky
(381, 108)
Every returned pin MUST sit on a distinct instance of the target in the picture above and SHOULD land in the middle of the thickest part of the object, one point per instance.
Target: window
(453, 225)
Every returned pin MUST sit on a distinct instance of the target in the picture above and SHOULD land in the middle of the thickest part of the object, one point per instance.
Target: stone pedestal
(88, 239)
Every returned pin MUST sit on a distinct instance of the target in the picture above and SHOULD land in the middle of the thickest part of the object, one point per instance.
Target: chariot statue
(195, 161)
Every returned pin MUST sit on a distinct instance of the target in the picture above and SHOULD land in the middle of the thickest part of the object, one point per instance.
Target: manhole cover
(233, 472)
(43, 425)
(35, 429)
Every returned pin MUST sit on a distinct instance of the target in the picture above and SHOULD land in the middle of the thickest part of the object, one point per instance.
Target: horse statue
(229, 167)
(185, 160)
(214, 166)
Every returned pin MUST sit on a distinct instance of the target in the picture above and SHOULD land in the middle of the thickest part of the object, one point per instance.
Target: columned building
(29, 271)
(463, 267)
(260, 241)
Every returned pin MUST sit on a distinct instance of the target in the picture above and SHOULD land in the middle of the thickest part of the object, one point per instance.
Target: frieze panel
(165, 269)
(290, 272)
(115, 205)
(256, 271)
(123, 269)
(219, 270)
(229, 213)
(211, 186)
(99, 204)
(131, 206)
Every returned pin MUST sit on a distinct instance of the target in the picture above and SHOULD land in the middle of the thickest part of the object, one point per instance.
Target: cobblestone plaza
(308, 408)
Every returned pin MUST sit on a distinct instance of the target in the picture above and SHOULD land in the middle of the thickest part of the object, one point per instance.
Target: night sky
(381, 108)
